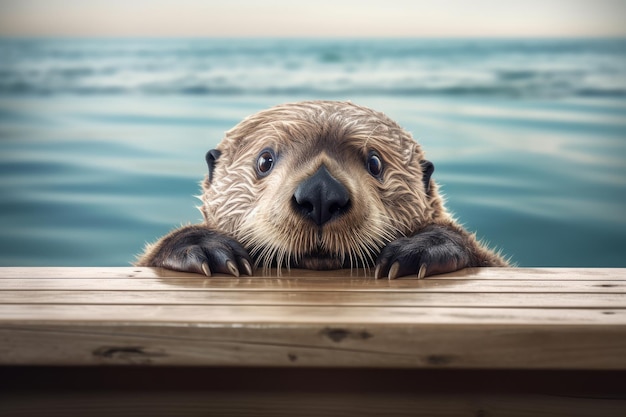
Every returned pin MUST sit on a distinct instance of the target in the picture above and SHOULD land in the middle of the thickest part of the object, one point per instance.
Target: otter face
(318, 185)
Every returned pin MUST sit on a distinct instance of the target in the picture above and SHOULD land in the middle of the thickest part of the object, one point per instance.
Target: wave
(201, 89)
(508, 68)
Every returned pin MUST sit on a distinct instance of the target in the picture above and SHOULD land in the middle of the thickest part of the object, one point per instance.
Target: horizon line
(323, 37)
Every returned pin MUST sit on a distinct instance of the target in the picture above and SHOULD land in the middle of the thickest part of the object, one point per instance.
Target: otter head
(318, 185)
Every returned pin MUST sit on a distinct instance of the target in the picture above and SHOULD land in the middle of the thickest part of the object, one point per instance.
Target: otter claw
(246, 266)
(393, 271)
(232, 268)
(206, 269)
(377, 271)
(422, 272)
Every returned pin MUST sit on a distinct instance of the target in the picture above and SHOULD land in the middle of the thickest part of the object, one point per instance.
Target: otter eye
(374, 164)
(265, 162)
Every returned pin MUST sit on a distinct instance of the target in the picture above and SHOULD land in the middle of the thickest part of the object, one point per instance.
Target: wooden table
(479, 342)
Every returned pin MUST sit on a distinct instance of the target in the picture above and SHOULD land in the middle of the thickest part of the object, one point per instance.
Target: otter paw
(435, 251)
(197, 249)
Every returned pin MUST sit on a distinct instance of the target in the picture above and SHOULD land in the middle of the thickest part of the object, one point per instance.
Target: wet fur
(397, 223)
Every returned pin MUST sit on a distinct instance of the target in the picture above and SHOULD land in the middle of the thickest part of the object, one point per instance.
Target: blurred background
(108, 107)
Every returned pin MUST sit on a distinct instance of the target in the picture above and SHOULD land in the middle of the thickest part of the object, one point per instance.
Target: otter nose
(321, 197)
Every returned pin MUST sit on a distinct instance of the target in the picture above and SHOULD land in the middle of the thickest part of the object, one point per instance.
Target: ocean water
(102, 142)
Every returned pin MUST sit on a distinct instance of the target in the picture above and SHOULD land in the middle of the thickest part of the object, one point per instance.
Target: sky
(318, 18)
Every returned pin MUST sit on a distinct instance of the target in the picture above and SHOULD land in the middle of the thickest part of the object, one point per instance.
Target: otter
(320, 185)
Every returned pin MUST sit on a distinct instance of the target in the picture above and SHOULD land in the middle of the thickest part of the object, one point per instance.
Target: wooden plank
(100, 316)
(296, 315)
(467, 345)
(539, 274)
(317, 298)
(313, 284)
(196, 403)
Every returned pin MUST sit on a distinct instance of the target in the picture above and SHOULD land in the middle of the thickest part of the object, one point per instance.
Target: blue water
(102, 142)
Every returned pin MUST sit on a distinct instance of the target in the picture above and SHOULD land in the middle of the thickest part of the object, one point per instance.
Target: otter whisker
(279, 257)
(359, 250)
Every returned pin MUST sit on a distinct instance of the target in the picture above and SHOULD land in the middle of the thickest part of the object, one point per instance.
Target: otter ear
(211, 157)
(427, 170)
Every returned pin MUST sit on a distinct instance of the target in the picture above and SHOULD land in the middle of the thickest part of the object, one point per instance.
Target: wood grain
(317, 298)
(529, 274)
(535, 274)
(315, 284)
(478, 342)
(294, 315)
(492, 318)
(459, 346)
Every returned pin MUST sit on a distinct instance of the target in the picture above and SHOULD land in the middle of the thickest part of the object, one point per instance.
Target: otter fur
(320, 185)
